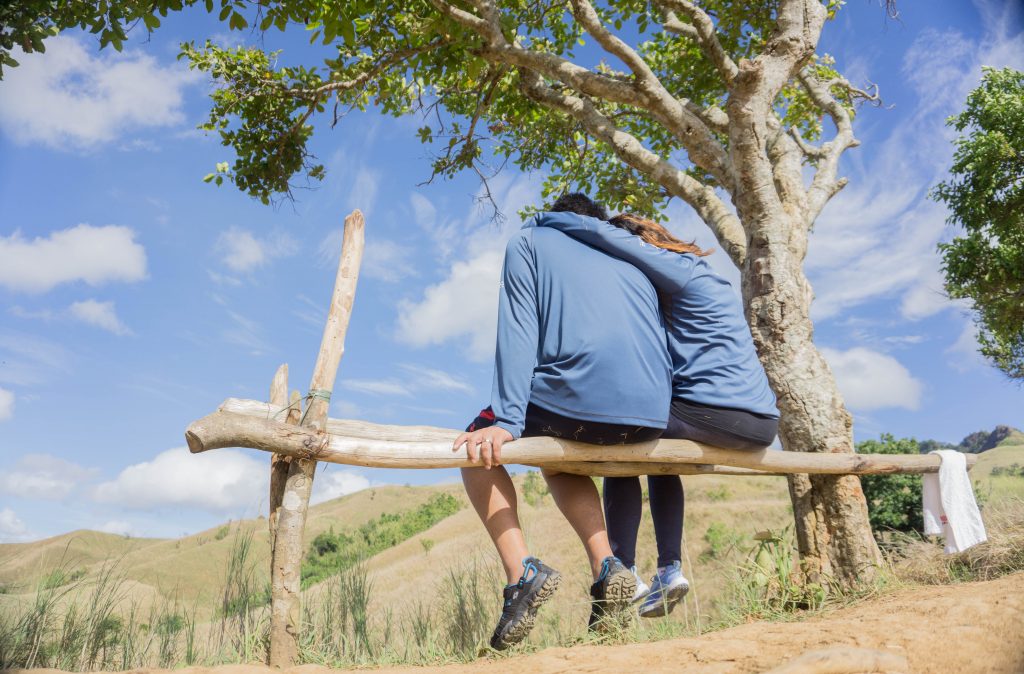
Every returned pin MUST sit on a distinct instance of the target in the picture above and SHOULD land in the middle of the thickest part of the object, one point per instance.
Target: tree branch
(678, 116)
(627, 148)
(705, 34)
(362, 78)
(825, 183)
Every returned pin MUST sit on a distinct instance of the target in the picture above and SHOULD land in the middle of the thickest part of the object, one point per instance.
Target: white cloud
(12, 529)
(332, 484)
(29, 359)
(878, 237)
(246, 333)
(6, 404)
(118, 527)
(224, 481)
(429, 379)
(418, 379)
(463, 306)
(100, 314)
(871, 380)
(383, 259)
(388, 261)
(386, 387)
(964, 354)
(94, 255)
(364, 191)
(45, 477)
(348, 410)
(67, 98)
(243, 252)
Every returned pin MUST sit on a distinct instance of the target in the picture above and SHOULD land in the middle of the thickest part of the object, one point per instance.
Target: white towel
(949, 505)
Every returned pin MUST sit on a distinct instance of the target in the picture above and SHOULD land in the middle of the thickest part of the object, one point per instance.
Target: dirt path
(975, 627)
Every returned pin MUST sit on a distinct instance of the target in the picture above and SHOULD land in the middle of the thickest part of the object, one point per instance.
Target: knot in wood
(313, 446)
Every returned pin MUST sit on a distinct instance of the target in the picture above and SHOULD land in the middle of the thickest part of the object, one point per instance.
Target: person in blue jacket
(720, 394)
(581, 354)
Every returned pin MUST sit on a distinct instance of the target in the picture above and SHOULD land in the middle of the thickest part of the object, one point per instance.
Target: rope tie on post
(314, 393)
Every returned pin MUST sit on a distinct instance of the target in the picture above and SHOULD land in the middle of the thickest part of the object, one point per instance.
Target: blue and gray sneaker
(668, 587)
(642, 588)
(522, 599)
(612, 594)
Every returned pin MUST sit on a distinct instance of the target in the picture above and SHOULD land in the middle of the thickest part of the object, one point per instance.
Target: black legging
(623, 499)
(623, 506)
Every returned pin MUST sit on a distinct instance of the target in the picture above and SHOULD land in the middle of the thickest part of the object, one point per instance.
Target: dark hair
(655, 234)
(579, 203)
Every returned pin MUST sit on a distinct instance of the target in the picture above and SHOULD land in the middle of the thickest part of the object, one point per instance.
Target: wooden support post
(285, 588)
(278, 462)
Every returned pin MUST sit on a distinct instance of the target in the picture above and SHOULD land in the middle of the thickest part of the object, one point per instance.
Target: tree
(894, 501)
(985, 196)
(635, 101)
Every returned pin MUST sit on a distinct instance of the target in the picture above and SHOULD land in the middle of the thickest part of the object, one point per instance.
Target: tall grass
(91, 623)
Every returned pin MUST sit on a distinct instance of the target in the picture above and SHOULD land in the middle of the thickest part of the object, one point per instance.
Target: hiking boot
(642, 589)
(522, 599)
(668, 588)
(611, 595)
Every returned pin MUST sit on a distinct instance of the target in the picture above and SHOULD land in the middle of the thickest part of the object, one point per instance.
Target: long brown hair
(655, 234)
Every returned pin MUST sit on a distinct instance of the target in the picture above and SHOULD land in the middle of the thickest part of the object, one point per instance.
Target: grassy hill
(412, 601)
(415, 579)
(1009, 453)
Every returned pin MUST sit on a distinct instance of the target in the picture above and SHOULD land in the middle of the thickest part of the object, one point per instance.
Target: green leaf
(348, 31)
(151, 21)
(208, 177)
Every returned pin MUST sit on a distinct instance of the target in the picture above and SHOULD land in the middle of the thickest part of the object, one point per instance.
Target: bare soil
(971, 627)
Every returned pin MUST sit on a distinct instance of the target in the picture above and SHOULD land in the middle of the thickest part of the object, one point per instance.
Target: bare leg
(577, 498)
(494, 497)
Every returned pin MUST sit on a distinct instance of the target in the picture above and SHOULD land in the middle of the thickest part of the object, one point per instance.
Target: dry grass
(925, 562)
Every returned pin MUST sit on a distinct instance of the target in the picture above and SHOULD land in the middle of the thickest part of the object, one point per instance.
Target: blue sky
(134, 298)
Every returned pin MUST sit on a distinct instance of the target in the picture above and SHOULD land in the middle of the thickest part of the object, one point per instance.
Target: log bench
(298, 433)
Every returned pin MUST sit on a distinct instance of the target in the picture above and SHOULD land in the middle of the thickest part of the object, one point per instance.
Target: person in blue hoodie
(581, 354)
(720, 393)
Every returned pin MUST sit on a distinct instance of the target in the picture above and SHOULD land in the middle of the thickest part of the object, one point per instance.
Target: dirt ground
(973, 627)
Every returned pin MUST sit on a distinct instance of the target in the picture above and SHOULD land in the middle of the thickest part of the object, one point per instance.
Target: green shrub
(719, 493)
(894, 501)
(720, 539)
(331, 553)
(534, 488)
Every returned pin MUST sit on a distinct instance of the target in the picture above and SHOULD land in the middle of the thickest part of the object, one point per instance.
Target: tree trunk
(832, 529)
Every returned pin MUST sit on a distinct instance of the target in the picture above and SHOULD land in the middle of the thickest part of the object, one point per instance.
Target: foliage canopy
(419, 56)
(985, 196)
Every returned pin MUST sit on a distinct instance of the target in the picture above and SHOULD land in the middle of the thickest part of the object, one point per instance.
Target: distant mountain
(982, 441)
(975, 443)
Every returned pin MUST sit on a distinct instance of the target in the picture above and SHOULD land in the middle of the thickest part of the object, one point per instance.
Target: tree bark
(832, 529)
(833, 533)
(286, 571)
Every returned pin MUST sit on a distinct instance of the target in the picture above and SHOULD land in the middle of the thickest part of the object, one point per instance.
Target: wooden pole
(364, 448)
(286, 608)
(278, 462)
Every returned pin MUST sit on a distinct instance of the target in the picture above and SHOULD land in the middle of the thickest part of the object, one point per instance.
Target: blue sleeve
(518, 336)
(667, 271)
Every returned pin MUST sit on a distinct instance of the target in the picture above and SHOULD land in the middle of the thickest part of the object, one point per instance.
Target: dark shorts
(542, 422)
(720, 426)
